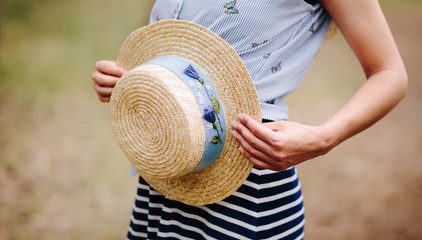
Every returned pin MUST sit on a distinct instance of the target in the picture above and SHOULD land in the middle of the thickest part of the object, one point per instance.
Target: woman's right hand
(105, 77)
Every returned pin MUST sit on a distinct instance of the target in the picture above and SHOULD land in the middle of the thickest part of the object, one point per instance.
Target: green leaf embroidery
(216, 139)
(216, 104)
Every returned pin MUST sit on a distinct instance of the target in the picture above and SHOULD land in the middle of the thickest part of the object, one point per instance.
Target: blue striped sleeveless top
(276, 39)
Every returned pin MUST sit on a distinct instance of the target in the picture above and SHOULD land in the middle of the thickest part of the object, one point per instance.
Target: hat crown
(167, 151)
(168, 138)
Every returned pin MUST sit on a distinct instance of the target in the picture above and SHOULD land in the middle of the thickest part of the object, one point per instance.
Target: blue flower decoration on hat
(211, 111)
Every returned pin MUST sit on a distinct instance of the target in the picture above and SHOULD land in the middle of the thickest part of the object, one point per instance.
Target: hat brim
(224, 68)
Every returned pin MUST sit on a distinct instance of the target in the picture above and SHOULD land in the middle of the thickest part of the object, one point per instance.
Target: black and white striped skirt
(269, 205)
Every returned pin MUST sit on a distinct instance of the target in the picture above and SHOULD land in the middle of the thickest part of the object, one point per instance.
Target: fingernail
(241, 150)
(240, 117)
(234, 124)
(234, 133)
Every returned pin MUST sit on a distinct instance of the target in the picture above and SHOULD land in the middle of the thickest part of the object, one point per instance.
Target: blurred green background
(62, 175)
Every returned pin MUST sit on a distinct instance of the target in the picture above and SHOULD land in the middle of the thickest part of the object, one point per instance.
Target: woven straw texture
(153, 123)
(161, 128)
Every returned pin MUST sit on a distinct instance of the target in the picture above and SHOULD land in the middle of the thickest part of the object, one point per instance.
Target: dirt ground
(62, 175)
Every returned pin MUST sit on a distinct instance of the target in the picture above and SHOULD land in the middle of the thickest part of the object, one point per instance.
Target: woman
(277, 40)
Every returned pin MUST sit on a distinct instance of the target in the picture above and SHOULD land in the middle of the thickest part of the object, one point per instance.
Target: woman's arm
(366, 31)
(282, 144)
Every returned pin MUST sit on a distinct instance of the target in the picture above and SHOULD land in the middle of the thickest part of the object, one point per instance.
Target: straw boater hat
(171, 112)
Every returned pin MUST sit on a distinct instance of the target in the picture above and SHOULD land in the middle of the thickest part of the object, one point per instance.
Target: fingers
(104, 93)
(259, 158)
(103, 85)
(258, 163)
(259, 143)
(279, 145)
(109, 68)
(104, 80)
(249, 133)
(257, 129)
(104, 99)
(107, 73)
(247, 139)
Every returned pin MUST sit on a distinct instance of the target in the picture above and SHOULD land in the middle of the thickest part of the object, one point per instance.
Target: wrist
(330, 137)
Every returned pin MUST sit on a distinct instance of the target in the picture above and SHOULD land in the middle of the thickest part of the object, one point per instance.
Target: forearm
(367, 33)
(377, 96)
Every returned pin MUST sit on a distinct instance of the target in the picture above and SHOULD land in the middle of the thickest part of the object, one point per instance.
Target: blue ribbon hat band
(208, 101)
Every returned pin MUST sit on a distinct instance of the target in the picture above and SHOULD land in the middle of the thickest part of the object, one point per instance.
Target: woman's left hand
(279, 145)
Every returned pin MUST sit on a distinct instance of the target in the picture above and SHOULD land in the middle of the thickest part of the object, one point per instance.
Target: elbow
(399, 81)
(403, 83)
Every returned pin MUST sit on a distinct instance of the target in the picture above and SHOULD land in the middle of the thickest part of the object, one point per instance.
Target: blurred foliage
(54, 180)
(52, 40)
(18, 9)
